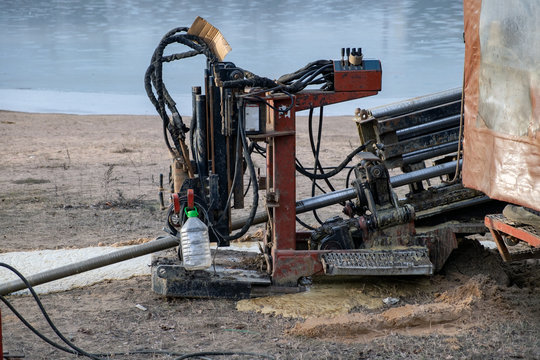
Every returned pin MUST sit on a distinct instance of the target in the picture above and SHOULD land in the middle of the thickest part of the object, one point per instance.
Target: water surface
(59, 54)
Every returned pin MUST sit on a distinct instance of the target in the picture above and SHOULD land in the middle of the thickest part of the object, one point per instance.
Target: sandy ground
(70, 181)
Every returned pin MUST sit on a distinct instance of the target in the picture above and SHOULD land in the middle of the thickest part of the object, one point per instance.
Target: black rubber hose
(315, 150)
(302, 84)
(170, 57)
(46, 315)
(256, 81)
(302, 77)
(255, 186)
(318, 149)
(235, 176)
(287, 78)
(340, 167)
(100, 355)
(34, 330)
(309, 227)
(158, 66)
(348, 178)
(153, 78)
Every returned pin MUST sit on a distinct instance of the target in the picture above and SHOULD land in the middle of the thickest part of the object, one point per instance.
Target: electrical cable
(183, 200)
(235, 176)
(101, 356)
(260, 150)
(260, 99)
(456, 174)
(247, 187)
(324, 167)
(33, 329)
(315, 151)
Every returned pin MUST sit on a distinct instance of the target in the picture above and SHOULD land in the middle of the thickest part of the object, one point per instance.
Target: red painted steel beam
(308, 99)
(283, 174)
(289, 263)
(493, 223)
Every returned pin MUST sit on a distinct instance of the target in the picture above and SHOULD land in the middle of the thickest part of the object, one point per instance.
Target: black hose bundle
(153, 81)
(317, 72)
(336, 170)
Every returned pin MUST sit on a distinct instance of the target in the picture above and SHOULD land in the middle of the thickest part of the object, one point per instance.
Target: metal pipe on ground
(418, 103)
(161, 243)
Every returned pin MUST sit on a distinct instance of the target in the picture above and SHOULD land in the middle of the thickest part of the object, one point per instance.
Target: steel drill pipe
(427, 128)
(161, 243)
(418, 103)
(429, 153)
(303, 206)
(423, 174)
(336, 197)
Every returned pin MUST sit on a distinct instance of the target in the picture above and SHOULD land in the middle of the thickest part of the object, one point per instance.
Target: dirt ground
(70, 181)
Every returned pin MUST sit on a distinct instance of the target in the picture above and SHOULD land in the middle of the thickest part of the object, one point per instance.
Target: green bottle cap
(191, 213)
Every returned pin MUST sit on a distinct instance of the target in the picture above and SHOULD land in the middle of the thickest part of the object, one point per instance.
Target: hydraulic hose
(340, 167)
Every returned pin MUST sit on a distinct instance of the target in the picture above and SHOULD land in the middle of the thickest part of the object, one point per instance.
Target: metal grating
(414, 261)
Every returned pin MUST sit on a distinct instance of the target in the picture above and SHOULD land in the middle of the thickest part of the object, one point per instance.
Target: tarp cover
(502, 99)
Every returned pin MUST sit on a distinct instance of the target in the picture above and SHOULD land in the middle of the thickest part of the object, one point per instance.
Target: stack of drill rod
(421, 136)
(415, 130)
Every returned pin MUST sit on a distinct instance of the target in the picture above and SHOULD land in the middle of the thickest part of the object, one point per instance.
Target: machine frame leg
(499, 227)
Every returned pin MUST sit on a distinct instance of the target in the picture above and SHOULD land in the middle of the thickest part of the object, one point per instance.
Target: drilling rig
(237, 114)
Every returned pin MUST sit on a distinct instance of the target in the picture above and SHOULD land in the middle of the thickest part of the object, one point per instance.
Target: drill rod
(161, 243)
(338, 196)
(418, 103)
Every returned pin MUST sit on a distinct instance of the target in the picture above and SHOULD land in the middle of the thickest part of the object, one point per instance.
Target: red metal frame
(289, 263)
(498, 226)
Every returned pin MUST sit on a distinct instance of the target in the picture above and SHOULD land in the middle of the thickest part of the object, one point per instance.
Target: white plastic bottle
(195, 243)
